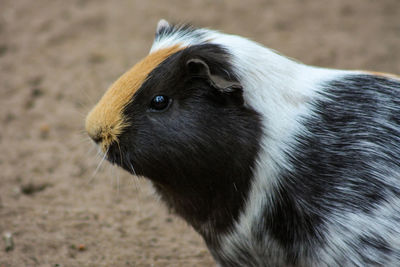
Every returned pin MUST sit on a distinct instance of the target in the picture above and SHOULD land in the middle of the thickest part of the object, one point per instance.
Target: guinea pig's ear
(225, 88)
(198, 67)
(162, 25)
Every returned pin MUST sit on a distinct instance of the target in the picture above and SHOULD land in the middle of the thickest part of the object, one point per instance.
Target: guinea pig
(273, 162)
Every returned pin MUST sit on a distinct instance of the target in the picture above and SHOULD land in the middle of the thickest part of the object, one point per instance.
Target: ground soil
(56, 60)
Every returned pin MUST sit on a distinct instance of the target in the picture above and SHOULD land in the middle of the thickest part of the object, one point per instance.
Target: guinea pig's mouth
(116, 155)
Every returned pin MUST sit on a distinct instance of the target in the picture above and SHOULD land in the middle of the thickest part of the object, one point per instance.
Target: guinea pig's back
(338, 199)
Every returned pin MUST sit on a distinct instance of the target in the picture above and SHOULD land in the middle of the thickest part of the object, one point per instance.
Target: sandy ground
(58, 57)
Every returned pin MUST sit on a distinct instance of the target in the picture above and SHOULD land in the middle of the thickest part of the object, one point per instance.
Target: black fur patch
(200, 152)
(344, 162)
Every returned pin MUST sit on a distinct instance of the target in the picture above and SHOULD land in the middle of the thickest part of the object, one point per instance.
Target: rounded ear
(197, 66)
(162, 25)
(229, 90)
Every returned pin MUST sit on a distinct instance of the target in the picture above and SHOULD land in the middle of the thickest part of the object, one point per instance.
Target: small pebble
(36, 92)
(31, 188)
(8, 239)
(44, 130)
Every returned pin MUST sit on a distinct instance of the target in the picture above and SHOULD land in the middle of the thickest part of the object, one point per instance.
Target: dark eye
(159, 102)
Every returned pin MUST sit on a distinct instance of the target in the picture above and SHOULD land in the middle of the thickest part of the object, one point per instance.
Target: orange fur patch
(105, 121)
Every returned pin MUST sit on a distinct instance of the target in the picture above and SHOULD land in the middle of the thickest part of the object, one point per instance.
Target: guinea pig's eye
(160, 102)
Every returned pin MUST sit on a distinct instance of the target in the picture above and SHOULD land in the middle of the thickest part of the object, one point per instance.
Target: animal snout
(95, 135)
(93, 127)
(102, 130)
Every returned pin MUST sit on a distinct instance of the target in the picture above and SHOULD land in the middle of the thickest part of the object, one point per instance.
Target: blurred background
(56, 60)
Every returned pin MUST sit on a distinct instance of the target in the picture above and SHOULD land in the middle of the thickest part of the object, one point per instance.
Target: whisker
(83, 103)
(82, 141)
(99, 152)
(90, 151)
(133, 169)
(83, 115)
(120, 153)
(89, 101)
(121, 160)
(118, 182)
(82, 131)
(111, 172)
(98, 166)
(115, 177)
(134, 181)
(129, 163)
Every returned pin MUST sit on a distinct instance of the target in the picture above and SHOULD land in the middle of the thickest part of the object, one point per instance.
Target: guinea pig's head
(178, 117)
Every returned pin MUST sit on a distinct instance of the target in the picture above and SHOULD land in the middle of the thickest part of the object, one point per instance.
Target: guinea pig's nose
(95, 136)
(93, 129)
(101, 131)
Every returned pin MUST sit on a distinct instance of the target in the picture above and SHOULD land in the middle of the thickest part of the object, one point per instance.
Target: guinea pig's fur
(273, 162)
